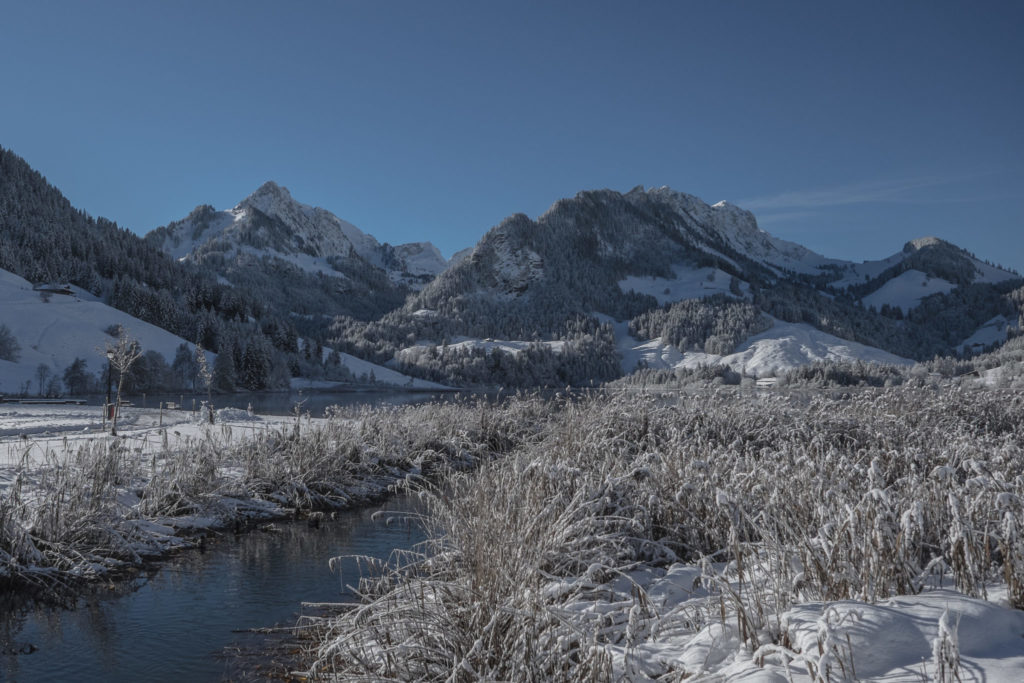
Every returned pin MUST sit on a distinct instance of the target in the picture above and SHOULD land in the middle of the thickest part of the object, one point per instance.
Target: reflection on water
(176, 623)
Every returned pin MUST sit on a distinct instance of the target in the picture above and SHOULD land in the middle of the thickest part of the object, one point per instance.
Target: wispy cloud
(898, 191)
(783, 217)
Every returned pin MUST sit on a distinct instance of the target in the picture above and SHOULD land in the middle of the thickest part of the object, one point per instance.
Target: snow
(991, 274)
(994, 331)
(783, 347)
(361, 368)
(412, 354)
(888, 641)
(54, 334)
(460, 255)
(381, 374)
(856, 274)
(316, 225)
(906, 290)
(425, 314)
(59, 429)
(188, 240)
(689, 283)
(421, 258)
(859, 273)
(515, 268)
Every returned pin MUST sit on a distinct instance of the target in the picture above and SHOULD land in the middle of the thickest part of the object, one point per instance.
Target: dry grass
(782, 499)
(88, 511)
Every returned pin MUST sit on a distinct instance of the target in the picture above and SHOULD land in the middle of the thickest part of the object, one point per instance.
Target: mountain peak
(270, 187)
(922, 242)
(266, 196)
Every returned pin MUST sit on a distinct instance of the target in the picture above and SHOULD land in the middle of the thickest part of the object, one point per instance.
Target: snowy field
(28, 432)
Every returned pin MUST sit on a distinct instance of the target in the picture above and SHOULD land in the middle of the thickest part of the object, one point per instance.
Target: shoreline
(148, 497)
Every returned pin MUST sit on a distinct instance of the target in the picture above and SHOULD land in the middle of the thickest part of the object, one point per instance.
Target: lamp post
(110, 412)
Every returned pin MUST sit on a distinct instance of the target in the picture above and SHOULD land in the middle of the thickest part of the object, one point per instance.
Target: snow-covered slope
(421, 259)
(689, 283)
(299, 260)
(929, 262)
(994, 331)
(784, 347)
(55, 333)
(736, 227)
(364, 372)
(906, 290)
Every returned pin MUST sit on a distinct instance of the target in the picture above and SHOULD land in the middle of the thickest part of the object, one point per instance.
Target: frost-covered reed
(85, 511)
(777, 499)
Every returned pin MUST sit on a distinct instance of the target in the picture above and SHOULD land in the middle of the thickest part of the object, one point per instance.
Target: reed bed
(84, 512)
(776, 500)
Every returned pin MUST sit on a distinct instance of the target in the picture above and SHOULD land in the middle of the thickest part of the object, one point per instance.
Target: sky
(850, 127)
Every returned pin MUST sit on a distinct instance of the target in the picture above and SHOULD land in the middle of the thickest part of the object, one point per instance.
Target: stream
(187, 621)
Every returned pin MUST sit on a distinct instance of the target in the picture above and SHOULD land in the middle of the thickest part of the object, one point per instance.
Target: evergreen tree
(224, 373)
(256, 364)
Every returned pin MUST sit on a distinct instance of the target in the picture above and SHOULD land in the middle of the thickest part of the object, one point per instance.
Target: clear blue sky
(849, 127)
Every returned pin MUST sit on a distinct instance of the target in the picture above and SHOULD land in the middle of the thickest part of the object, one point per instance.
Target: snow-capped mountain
(609, 256)
(270, 223)
(546, 301)
(671, 246)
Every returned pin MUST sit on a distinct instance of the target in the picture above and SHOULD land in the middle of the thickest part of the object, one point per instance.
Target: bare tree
(42, 374)
(122, 356)
(9, 347)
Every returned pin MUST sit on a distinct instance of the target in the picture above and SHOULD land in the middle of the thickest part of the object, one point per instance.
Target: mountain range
(599, 285)
(615, 257)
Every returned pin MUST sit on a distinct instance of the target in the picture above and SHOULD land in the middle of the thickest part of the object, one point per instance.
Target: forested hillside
(43, 238)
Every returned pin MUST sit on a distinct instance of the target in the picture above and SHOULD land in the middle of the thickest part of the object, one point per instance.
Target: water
(177, 622)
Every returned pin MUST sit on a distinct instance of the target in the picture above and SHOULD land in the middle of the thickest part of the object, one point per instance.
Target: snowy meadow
(870, 534)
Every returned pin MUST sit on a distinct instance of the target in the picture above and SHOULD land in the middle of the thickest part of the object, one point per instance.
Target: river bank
(77, 505)
(200, 616)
